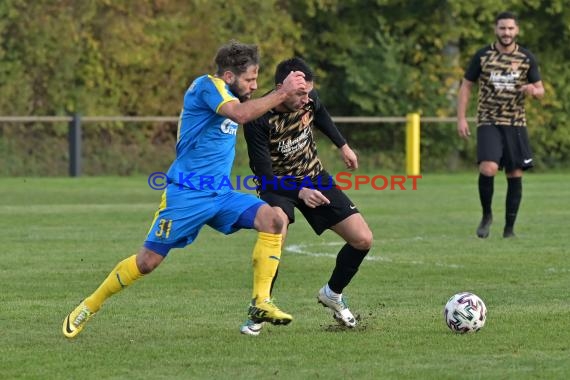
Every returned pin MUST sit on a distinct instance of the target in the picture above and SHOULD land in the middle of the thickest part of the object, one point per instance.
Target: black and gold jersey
(283, 144)
(292, 145)
(500, 77)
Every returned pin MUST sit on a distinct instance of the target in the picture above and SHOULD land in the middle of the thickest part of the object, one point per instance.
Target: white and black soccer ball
(465, 313)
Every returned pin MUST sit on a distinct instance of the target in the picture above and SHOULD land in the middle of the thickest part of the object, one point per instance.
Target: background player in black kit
(281, 145)
(506, 74)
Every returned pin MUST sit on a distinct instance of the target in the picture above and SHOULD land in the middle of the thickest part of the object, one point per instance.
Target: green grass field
(60, 238)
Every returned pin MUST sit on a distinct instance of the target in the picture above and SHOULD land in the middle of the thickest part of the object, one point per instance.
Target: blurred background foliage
(371, 57)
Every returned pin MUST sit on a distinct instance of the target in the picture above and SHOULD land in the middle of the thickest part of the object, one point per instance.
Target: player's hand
(294, 82)
(528, 89)
(312, 197)
(463, 128)
(349, 157)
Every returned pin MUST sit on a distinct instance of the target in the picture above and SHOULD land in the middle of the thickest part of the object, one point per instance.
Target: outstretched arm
(242, 113)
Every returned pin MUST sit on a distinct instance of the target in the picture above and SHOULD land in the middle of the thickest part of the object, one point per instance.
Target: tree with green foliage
(372, 58)
(391, 57)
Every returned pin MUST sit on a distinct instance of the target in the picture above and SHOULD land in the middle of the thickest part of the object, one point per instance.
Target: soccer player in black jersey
(283, 156)
(506, 74)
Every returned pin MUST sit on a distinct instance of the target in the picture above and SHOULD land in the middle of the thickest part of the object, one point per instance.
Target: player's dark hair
(293, 64)
(236, 57)
(506, 16)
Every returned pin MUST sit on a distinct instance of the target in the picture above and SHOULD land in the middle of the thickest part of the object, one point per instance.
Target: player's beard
(234, 88)
(244, 98)
(511, 43)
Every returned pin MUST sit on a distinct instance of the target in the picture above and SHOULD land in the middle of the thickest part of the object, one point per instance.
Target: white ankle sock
(331, 294)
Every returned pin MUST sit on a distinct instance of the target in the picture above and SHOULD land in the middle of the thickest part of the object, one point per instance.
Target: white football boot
(337, 304)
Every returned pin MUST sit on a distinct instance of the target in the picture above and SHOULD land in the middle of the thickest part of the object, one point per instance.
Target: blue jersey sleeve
(215, 93)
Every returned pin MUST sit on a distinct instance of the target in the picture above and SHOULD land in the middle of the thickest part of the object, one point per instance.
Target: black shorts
(508, 146)
(320, 218)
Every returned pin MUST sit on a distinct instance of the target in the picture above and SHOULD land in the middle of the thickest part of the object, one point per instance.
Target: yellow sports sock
(266, 256)
(123, 275)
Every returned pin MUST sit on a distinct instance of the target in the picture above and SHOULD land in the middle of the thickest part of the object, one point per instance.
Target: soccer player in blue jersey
(213, 107)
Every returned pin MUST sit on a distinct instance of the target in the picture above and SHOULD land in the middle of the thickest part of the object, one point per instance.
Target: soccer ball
(465, 313)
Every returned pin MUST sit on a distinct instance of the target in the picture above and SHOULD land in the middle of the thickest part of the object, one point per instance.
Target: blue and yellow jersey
(205, 149)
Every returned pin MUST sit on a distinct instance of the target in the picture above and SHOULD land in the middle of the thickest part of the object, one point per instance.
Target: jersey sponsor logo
(229, 127)
(290, 146)
(505, 81)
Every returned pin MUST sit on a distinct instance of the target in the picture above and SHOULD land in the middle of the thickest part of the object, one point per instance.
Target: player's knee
(276, 222)
(147, 260)
(488, 169)
(284, 219)
(269, 220)
(488, 172)
(363, 241)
